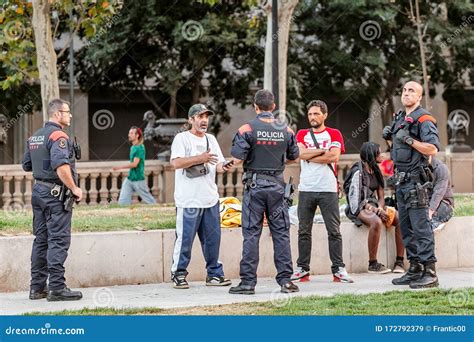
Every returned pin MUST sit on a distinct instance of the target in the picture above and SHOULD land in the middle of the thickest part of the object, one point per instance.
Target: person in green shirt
(135, 182)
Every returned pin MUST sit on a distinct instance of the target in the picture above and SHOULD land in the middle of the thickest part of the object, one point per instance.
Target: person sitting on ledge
(441, 199)
(364, 188)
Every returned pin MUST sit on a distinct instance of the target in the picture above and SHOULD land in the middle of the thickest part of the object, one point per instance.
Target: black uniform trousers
(415, 226)
(266, 198)
(52, 230)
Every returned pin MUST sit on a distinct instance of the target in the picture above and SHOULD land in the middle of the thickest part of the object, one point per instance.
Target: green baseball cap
(199, 109)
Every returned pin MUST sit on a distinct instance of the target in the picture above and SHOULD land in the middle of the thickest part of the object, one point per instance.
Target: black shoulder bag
(199, 169)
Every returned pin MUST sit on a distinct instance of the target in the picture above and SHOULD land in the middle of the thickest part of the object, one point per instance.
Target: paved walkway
(164, 296)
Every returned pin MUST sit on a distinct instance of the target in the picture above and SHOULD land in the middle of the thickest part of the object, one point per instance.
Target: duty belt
(408, 176)
(50, 184)
(251, 177)
(57, 190)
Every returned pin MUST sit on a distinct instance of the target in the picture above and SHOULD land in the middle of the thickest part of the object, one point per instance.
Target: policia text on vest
(264, 146)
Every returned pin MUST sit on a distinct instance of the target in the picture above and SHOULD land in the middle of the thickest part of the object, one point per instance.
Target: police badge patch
(62, 143)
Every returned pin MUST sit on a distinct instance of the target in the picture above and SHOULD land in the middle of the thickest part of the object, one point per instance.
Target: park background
(118, 60)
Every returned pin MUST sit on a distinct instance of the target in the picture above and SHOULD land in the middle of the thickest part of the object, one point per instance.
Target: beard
(315, 125)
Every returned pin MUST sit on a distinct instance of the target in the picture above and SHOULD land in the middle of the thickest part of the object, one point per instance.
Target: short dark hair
(318, 103)
(264, 99)
(55, 105)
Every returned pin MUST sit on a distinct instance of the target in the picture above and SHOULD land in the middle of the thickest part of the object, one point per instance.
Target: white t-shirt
(317, 177)
(199, 192)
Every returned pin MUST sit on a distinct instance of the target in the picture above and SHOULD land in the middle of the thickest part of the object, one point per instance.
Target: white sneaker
(299, 273)
(341, 276)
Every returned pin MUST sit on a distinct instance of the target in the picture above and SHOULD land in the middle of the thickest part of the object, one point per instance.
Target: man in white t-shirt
(320, 148)
(196, 157)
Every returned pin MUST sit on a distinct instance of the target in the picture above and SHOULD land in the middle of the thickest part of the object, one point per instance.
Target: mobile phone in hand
(228, 163)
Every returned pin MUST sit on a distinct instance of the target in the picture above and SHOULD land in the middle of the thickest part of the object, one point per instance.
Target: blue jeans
(140, 187)
(442, 214)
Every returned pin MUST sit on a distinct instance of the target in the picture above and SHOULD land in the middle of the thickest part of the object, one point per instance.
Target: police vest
(404, 156)
(39, 147)
(269, 144)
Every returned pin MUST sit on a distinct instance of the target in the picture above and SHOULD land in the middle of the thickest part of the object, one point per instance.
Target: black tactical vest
(269, 144)
(39, 147)
(405, 157)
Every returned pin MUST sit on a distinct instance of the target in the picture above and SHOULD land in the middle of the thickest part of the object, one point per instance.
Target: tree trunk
(267, 77)
(173, 103)
(45, 53)
(426, 85)
(389, 91)
(423, 57)
(196, 93)
(285, 19)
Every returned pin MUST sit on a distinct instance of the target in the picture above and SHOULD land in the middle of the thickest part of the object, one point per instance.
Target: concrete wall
(119, 258)
(80, 118)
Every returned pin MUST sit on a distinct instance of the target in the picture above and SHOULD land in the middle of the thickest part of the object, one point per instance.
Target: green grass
(464, 205)
(99, 218)
(142, 217)
(430, 302)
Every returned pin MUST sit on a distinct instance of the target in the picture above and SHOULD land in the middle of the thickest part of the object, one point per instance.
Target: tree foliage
(18, 61)
(179, 55)
(365, 49)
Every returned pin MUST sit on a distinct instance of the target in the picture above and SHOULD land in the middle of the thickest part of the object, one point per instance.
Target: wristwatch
(409, 141)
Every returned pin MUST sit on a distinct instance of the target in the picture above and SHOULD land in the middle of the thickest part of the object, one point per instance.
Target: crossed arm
(318, 155)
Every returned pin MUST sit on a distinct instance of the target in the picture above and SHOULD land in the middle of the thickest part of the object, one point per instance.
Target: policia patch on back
(62, 143)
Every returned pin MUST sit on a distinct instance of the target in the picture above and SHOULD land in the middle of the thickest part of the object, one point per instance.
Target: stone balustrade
(101, 185)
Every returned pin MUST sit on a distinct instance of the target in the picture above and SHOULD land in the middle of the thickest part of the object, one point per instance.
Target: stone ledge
(122, 258)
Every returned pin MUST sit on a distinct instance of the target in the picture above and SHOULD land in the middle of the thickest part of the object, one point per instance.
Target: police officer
(50, 154)
(263, 145)
(415, 137)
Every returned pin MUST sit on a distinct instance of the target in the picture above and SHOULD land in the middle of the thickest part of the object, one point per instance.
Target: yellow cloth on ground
(231, 212)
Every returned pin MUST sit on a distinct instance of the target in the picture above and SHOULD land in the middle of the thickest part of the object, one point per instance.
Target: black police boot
(242, 289)
(289, 287)
(63, 295)
(429, 279)
(38, 294)
(415, 272)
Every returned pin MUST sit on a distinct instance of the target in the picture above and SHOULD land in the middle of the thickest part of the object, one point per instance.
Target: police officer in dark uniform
(50, 154)
(264, 145)
(415, 137)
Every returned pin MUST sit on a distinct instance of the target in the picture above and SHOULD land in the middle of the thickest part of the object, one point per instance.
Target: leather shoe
(38, 294)
(242, 289)
(289, 287)
(63, 295)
